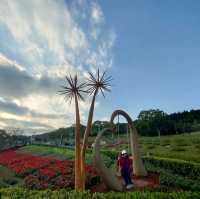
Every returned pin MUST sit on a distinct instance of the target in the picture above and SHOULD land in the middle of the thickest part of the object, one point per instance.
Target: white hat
(124, 152)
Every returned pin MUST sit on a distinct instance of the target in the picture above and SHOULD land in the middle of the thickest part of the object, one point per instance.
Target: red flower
(42, 172)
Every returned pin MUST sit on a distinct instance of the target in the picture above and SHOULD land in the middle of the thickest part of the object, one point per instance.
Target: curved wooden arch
(138, 166)
(107, 175)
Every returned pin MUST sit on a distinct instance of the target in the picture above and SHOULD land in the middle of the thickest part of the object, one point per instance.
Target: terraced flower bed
(44, 172)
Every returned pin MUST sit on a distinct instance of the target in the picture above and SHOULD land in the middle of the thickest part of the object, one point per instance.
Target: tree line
(155, 122)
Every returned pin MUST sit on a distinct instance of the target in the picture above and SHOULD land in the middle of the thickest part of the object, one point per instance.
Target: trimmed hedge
(181, 167)
(169, 179)
(17, 193)
(111, 154)
(172, 180)
(184, 168)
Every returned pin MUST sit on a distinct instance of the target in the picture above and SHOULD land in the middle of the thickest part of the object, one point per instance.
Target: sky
(150, 47)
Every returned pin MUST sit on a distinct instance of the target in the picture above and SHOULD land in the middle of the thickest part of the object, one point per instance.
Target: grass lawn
(184, 147)
(60, 153)
(42, 150)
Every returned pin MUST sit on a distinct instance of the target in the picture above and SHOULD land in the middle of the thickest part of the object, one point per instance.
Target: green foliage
(61, 153)
(98, 126)
(177, 148)
(61, 136)
(180, 142)
(151, 114)
(154, 122)
(10, 180)
(173, 180)
(183, 146)
(64, 194)
(150, 146)
(112, 154)
(42, 150)
(181, 167)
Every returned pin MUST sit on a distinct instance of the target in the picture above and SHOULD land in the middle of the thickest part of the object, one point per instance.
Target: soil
(140, 183)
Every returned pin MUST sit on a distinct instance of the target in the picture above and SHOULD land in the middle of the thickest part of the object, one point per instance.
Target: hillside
(61, 136)
(9, 141)
(4, 139)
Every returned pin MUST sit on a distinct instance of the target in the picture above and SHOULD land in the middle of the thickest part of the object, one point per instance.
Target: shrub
(195, 141)
(178, 148)
(172, 180)
(3, 184)
(150, 147)
(165, 143)
(10, 180)
(180, 142)
(112, 154)
(62, 194)
(181, 167)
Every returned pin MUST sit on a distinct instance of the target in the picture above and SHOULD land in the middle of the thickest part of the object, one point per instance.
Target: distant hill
(4, 139)
(61, 136)
(8, 141)
(151, 122)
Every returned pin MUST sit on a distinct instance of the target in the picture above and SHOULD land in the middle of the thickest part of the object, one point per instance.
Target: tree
(97, 126)
(151, 114)
(94, 84)
(74, 90)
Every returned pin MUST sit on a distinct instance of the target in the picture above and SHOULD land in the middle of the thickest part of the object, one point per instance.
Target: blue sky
(150, 47)
(156, 55)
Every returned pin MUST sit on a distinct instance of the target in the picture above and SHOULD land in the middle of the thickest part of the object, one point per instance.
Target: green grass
(56, 152)
(60, 153)
(183, 147)
(63, 194)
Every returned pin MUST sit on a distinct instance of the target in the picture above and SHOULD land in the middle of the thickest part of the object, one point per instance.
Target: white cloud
(4, 61)
(96, 13)
(47, 40)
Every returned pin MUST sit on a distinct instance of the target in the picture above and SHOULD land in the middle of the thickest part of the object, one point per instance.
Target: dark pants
(126, 175)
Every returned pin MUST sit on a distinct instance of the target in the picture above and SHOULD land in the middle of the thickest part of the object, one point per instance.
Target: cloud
(37, 97)
(41, 42)
(14, 108)
(96, 13)
(15, 82)
(24, 124)
(41, 26)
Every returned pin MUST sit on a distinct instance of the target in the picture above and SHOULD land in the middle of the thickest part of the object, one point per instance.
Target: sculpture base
(151, 181)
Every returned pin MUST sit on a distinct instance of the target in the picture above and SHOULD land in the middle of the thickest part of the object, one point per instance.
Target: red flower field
(43, 172)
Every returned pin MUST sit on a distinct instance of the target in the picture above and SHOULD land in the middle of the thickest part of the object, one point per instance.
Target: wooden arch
(108, 175)
(138, 166)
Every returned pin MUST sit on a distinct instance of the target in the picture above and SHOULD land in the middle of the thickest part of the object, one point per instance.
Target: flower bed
(42, 172)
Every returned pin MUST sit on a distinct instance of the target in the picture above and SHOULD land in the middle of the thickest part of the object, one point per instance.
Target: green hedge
(169, 179)
(172, 180)
(62, 194)
(184, 168)
(111, 154)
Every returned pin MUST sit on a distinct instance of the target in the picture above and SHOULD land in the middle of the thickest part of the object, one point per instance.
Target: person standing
(124, 164)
